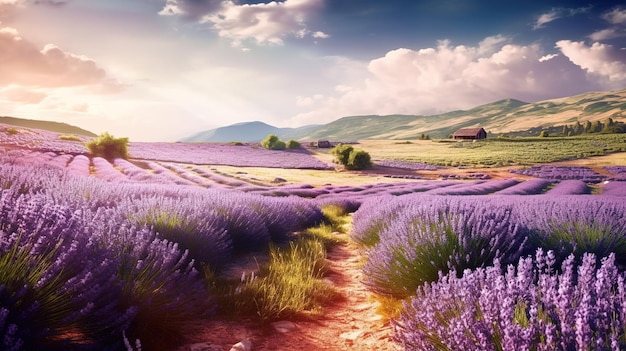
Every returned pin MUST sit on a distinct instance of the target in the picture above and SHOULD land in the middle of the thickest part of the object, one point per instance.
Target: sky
(161, 70)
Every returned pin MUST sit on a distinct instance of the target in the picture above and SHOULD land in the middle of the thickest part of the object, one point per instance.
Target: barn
(470, 134)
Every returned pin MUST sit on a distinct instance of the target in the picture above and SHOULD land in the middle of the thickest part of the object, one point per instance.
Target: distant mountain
(57, 127)
(503, 116)
(243, 132)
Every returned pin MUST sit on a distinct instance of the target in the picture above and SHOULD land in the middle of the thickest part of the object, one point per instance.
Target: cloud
(546, 18)
(192, 10)
(600, 60)
(445, 78)
(8, 7)
(263, 23)
(23, 63)
(617, 19)
(616, 16)
(50, 2)
(22, 95)
(557, 13)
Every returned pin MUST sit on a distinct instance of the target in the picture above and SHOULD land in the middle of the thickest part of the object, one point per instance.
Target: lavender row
(113, 258)
(415, 166)
(569, 187)
(42, 140)
(618, 172)
(617, 188)
(245, 155)
(528, 187)
(530, 306)
(410, 239)
(561, 173)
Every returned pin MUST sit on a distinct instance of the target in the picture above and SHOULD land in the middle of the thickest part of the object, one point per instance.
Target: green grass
(290, 284)
(501, 151)
(69, 137)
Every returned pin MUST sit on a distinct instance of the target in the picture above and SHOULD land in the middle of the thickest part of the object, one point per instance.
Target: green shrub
(359, 159)
(351, 158)
(272, 142)
(293, 144)
(342, 153)
(290, 284)
(69, 137)
(108, 146)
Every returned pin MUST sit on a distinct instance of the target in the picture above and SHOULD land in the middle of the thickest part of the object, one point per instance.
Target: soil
(349, 323)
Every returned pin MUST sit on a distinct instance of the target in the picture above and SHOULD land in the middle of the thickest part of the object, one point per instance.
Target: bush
(351, 158)
(342, 153)
(436, 236)
(108, 146)
(293, 144)
(272, 142)
(359, 159)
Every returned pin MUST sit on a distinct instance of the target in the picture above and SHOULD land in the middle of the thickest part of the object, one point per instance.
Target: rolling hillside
(57, 127)
(502, 116)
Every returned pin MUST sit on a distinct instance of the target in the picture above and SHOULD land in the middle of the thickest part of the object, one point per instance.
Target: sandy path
(350, 323)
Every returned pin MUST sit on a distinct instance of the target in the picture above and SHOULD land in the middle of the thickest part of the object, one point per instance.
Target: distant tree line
(608, 126)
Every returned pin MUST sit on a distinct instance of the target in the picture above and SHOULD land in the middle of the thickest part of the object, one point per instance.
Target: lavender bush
(528, 307)
(439, 234)
(575, 224)
(618, 172)
(616, 188)
(531, 186)
(561, 173)
(569, 187)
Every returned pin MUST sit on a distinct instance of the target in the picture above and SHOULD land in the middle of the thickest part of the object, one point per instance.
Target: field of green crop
(497, 151)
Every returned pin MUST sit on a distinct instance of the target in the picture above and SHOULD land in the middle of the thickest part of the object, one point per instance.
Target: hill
(503, 116)
(245, 132)
(57, 127)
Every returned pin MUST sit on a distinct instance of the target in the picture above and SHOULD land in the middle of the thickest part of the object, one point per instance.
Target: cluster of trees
(351, 158)
(273, 142)
(608, 126)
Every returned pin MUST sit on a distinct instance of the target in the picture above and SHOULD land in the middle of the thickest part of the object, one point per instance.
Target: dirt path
(351, 323)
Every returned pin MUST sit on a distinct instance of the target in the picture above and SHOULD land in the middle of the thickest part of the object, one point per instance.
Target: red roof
(468, 132)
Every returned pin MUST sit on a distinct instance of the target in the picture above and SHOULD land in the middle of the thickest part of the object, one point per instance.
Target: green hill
(57, 127)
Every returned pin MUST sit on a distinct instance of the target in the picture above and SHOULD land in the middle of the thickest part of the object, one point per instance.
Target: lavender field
(94, 252)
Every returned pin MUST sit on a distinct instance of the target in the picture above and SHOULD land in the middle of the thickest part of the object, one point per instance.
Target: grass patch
(290, 284)
(69, 137)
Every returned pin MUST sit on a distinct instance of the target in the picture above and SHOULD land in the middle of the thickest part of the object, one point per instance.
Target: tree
(342, 153)
(293, 144)
(272, 142)
(351, 158)
(108, 147)
(359, 159)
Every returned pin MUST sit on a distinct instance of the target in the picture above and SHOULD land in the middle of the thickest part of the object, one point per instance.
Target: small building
(323, 144)
(470, 134)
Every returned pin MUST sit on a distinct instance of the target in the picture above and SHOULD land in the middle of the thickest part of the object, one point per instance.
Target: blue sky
(165, 69)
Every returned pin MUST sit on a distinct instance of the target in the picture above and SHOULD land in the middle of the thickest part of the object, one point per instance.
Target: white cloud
(320, 35)
(616, 16)
(557, 13)
(601, 60)
(263, 23)
(547, 57)
(447, 77)
(546, 18)
(605, 34)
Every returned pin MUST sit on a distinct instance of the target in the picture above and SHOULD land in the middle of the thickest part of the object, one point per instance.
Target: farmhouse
(323, 144)
(470, 133)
